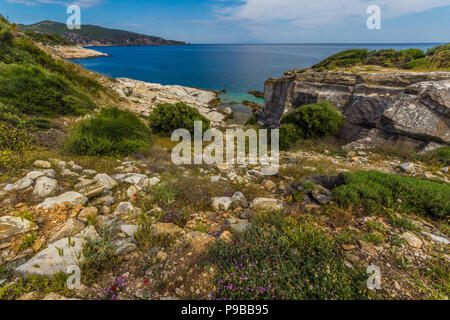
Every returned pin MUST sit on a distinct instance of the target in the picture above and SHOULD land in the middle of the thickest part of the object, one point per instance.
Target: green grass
(288, 260)
(31, 90)
(373, 190)
(111, 132)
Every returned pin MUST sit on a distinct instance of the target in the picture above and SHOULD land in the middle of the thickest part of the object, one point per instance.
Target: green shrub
(35, 91)
(423, 63)
(253, 120)
(373, 190)
(315, 120)
(289, 135)
(168, 117)
(111, 132)
(288, 262)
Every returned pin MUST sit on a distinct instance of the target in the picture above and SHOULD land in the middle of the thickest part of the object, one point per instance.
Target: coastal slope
(91, 35)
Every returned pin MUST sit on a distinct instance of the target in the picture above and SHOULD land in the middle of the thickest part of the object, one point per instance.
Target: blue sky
(252, 21)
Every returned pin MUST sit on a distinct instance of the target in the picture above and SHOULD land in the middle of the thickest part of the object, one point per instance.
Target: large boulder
(106, 181)
(45, 186)
(58, 256)
(71, 198)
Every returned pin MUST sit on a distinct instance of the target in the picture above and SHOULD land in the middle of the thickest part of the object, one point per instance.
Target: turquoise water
(235, 68)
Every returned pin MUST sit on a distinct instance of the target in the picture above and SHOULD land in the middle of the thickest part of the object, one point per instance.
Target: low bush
(289, 135)
(373, 190)
(34, 91)
(291, 261)
(314, 120)
(14, 144)
(111, 132)
(168, 117)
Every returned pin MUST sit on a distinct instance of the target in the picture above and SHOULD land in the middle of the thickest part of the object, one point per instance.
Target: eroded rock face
(149, 95)
(406, 108)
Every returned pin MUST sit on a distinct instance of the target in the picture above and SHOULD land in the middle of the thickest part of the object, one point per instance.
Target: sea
(234, 68)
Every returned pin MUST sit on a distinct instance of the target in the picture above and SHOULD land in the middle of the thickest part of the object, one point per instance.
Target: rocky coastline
(73, 52)
(393, 109)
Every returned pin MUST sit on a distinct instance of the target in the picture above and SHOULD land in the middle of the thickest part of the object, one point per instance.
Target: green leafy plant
(111, 132)
(168, 117)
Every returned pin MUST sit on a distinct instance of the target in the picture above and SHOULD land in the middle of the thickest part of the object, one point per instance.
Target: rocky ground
(56, 211)
(73, 52)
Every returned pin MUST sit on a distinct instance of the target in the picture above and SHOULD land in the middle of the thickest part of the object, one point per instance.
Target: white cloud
(81, 3)
(318, 12)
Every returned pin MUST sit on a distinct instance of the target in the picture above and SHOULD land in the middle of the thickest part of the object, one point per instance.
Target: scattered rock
(33, 175)
(129, 229)
(436, 238)
(222, 203)
(169, 229)
(226, 236)
(22, 184)
(408, 168)
(266, 204)
(412, 240)
(239, 201)
(126, 208)
(58, 256)
(71, 198)
(11, 226)
(106, 181)
(88, 213)
(29, 296)
(238, 226)
(70, 228)
(123, 247)
(42, 164)
(44, 187)
(93, 190)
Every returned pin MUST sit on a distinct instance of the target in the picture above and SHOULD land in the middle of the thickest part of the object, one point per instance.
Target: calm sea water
(235, 68)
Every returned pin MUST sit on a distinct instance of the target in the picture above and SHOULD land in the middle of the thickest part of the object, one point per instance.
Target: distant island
(90, 35)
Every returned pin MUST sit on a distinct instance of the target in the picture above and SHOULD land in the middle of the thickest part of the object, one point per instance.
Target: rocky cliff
(405, 108)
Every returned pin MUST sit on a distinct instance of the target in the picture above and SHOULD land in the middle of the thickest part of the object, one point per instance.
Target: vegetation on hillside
(310, 121)
(414, 59)
(112, 132)
(168, 117)
(90, 34)
(48, 39)
(283, 258)
(373, 190)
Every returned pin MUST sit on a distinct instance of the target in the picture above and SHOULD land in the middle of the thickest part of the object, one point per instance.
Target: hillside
(90, 35)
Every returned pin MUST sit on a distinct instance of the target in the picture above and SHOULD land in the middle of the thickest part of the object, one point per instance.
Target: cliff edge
(381, 109)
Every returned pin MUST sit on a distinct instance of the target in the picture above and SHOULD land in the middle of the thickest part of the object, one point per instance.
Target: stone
(33, 175)
(123, 247)
(88, 213)
(266, 204)
(56, 297)
(49, 173)
(444, 169)
(129, 229)
(126, 208)
(408, 168)
(45, 186)
(34, 295)
(150, 182)
(239, 226)
(223, 167)
(412, 240)
(71, 198)
(106, 200)
(239, 201)
(228, 111)
(42, 164)
(226, 236)
(68, 173)
(161, 256)
(93, 190)
(22, 184)
(137, 179)
(105, 180)
(321, 194)
(221, 203)
(436, 238)
(132, 191)
(269, 185)
(169, 229)
(215, 178)
(58, 256)
(70, 228)
(76, 167)
(11, 226)
(88, 172)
